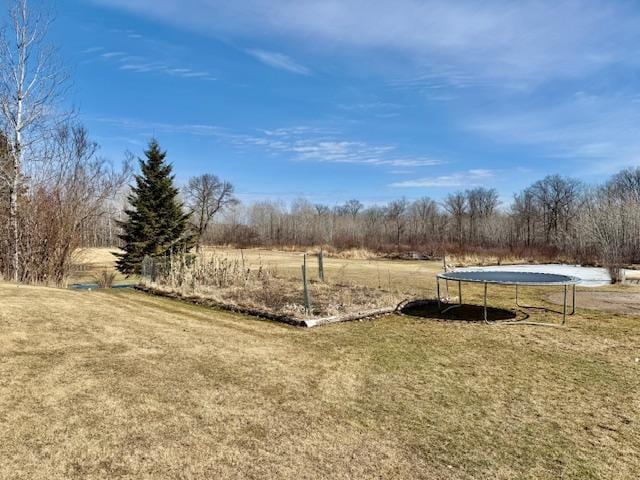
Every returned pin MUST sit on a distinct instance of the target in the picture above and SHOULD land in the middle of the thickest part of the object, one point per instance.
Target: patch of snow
(589, 276)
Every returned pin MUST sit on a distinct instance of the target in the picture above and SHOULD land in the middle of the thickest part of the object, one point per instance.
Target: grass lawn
(122, 385)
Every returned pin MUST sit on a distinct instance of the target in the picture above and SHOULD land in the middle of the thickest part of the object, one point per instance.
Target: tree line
(554, 217)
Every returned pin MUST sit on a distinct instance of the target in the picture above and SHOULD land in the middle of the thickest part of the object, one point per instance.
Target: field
(118, 384)
(91, 262)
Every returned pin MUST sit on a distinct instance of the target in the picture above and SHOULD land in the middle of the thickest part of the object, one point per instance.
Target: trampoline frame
(569, 282)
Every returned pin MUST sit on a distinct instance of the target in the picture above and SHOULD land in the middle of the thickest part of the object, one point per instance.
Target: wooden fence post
(321, 266)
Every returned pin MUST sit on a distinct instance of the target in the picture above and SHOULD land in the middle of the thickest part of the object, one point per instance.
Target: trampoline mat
(510, 278)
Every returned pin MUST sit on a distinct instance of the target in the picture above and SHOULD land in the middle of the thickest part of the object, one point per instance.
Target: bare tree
(70, 194)
(31, 81)
(373, 219)
(558, 198)
(322, 210)
(353, 207)
(456, 205)
(626, 183)
(482, 203)
(396, 213)
(424, 213)
(205, 196)
(525, 213)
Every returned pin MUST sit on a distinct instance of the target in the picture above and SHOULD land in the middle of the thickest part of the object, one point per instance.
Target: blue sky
(369, 99)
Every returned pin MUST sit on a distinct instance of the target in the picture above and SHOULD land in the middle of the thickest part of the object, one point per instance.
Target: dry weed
(234, 280)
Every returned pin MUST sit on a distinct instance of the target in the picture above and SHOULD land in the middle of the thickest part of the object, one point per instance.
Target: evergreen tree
(156, 223)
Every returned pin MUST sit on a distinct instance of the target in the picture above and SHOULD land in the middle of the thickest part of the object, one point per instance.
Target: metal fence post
(305, 286)
(485, 303)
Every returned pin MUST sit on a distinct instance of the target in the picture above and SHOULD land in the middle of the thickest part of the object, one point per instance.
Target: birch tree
(31, 82)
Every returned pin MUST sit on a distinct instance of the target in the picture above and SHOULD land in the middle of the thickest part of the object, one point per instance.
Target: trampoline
(517, 279)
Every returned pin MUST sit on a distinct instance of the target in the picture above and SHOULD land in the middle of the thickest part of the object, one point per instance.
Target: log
(349, 317)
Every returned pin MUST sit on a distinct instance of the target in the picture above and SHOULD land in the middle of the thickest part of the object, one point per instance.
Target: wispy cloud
(302, 143)
(342, 151)
(127, 32)
(92, 50)
(369, 106)
(378, 109)
(458, 179)
(437, 79)
(329, 146)
(138, 64)
(109, 55)
(464, 42)
(149, 128)
(279, 60)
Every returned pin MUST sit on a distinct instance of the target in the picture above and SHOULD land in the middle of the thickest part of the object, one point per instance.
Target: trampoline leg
(485, 303)
(573, 304)
(564, 308)
(460, 293)
(445, 305)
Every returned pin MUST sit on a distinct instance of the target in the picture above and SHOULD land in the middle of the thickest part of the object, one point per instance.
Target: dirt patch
(615, 302)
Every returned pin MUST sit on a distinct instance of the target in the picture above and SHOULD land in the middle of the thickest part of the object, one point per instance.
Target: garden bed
(233, 283)
(297, 320)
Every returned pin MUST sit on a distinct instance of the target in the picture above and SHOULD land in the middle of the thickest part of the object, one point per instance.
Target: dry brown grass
(241, 280)
(116, 384)
(351, 254)
(329, 251)
(474, 259)
(285, 297)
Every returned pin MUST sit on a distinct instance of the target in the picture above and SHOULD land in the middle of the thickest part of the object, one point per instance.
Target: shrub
(616, 272)
(106, 279)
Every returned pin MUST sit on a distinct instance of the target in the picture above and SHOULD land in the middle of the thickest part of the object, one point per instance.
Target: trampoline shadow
(465, 313)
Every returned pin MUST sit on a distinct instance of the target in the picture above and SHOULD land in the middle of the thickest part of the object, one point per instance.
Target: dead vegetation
(349, 253)
(105, 279)
(235, 280)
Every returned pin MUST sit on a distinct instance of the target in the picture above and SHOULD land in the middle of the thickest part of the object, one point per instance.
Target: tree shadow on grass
(465, 313)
